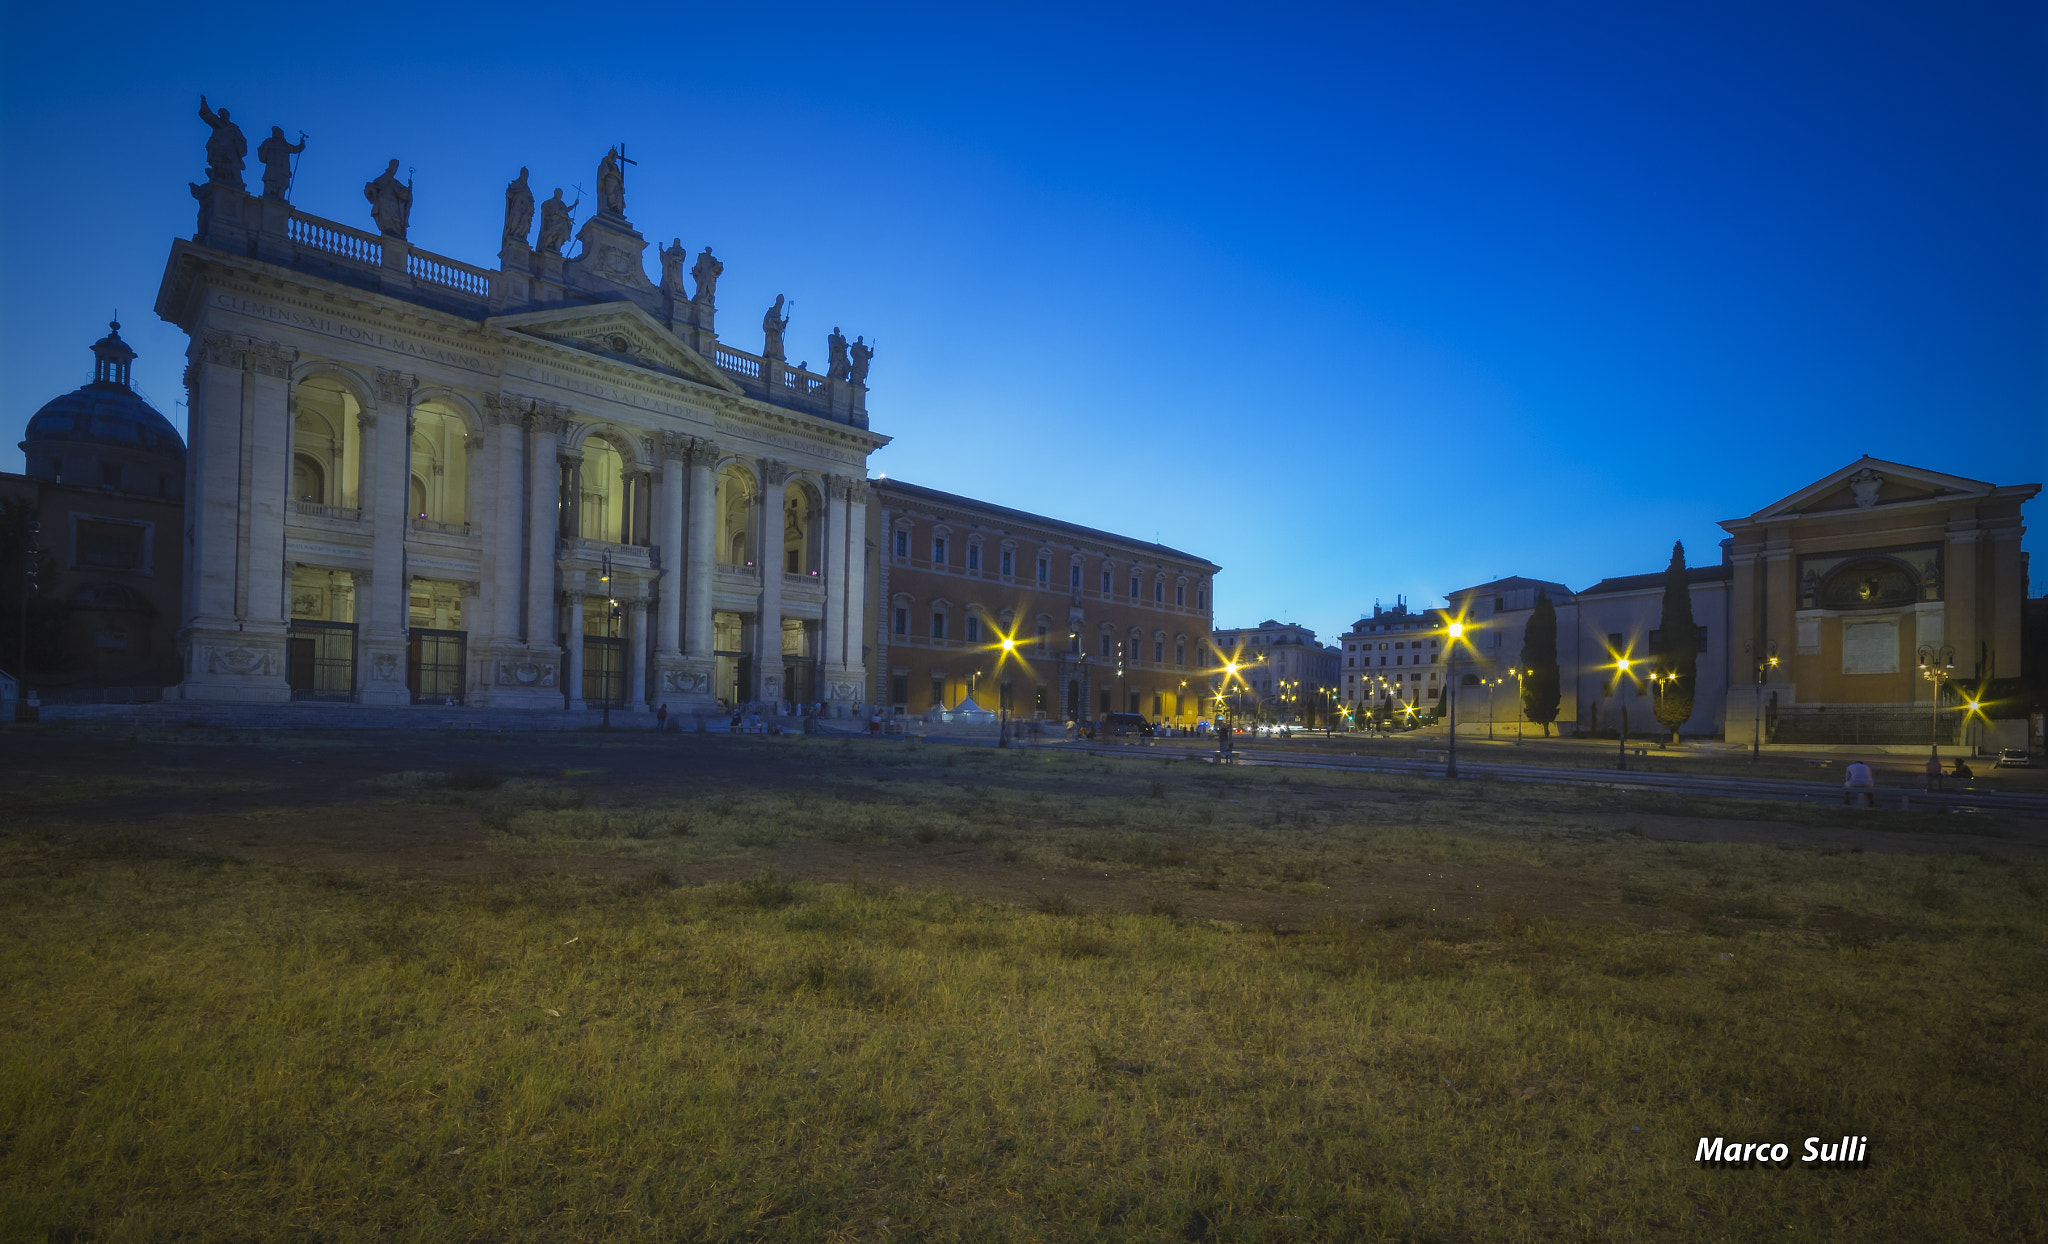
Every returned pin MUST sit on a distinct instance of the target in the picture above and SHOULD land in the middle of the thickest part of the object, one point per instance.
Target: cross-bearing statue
(858, 368)
(773, 324)
(276, 152)
(611, 184)
(836, 366)
(225, 147)
(390, 202)
(518, 208)
(554, 223)
(707, 273)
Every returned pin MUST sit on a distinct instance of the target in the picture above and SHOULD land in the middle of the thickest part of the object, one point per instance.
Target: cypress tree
(1677, 649)
(1540, 686)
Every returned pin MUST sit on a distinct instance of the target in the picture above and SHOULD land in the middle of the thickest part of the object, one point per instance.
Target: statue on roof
(836, 366)
(390, 201)
(707, 272)
(773, 324)
(611, 184)
(672, 268)
(276, 153)
(554, 223)
(857, 366)
(518, 208)
(225, 147)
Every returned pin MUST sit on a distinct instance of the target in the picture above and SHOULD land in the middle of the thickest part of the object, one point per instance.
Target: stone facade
(546, 484)
(1282, 670)
(1098, 622)
(1384, 656)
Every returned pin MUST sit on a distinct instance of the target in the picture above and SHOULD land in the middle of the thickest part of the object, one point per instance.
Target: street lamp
(1521, 705)
(1456, 630)
(1936, 665)
(1621, 665)
(1756, 707)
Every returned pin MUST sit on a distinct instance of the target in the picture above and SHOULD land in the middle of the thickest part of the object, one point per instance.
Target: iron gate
(320, 660)
(604, 672)
(433, 665)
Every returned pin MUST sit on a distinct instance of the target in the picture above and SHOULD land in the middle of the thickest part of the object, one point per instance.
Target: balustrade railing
(440, 528)
(441, 270)
(743, 364)
(324, 235)
(313, 509)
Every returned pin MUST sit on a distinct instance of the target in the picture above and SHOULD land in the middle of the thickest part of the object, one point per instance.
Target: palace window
(902, 620)
(1042, 634)
(899, 690)
(1134, 587)
(1044, 571)
(902, 544)
(1180, 654)
(938, 550)
(938, 625)
(1108, 646)
(1074, 575)
(1074, 643)
(1159, 652)
(1180, 595)
(1201, 599)
(974, 557)
(1158, 591)
(938, 691)
(973, 628)
(1105, 583)
(1009, 562)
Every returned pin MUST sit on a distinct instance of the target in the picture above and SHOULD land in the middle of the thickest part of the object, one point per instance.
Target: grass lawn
(705, 988)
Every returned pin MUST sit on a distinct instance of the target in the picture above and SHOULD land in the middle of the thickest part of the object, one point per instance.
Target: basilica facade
(543, 484)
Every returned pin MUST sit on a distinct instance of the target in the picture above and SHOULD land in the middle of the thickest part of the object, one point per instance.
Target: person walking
(661, 718)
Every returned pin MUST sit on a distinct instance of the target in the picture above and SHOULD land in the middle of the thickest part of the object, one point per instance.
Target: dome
(107, 411)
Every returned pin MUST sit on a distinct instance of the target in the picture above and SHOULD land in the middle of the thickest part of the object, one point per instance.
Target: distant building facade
(1284, 667)
(1098, 622)
(1391, 657)
(106, 483)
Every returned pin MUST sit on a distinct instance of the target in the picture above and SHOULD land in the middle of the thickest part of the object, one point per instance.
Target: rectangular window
(1180, 654)
(938, 625)
(109, 546)
(110, 475)
(902, 621)
(1105, 701)
(899, 691)
(1074, 575)
(1180, 595)
(1044, 571)
(1159, 652)
(974, 557)
(1041, 638)
(1108, 647)
(1134, 587)
(1158, 591)
(1009, 562)
(938, 691)
(1201, 599)
(1158, 706)
(1398, 644)
(938, 550)
(973, 635)
(1074, 643)
(902, 544)
(1105, 583)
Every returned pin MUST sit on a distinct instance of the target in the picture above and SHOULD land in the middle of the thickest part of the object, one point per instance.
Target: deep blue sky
(1360, 301)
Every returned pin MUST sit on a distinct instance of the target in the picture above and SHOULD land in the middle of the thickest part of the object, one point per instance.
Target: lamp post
(29, 587)
(1769, 661)
(1456, 630)
(1521, 705)
(1621, 665)
(1936, 665)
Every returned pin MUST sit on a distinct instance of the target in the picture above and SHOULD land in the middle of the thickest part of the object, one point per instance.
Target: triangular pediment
(621, 332)
(1869, 483)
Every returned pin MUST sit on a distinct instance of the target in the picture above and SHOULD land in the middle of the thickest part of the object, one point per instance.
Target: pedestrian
(1933, 769)
(661, 718)
(1962, 770)
(1858, 785)
(875, 725)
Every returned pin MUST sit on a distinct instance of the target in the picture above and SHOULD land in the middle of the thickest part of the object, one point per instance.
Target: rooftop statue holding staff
(773, 325)
(518, 208)
(862, 352)
(276, 153)
(554, 223)
(225, 148)
(836, 365)
(611, 184)
(390, 202)
(672, 268)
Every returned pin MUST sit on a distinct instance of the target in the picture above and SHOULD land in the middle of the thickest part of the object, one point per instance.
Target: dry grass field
(631, 987)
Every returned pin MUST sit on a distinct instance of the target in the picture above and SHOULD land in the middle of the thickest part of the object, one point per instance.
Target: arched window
(440, 465)
(601, 494)
(800, 510)
(737, 493)
(327, 444)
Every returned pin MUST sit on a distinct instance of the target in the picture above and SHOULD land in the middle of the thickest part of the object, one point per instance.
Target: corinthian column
(380, 674)
(636, 655)
(543, 503)
(768, 561)
(703, 534)
(668, 537)
(572, 630)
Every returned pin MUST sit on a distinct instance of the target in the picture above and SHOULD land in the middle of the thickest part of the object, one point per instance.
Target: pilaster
(572, 639)
(382, 625)
(768, 561)
(636, 655)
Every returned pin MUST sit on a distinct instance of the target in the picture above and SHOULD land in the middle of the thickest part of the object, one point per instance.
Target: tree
(1540, 690)
(1676, 652)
